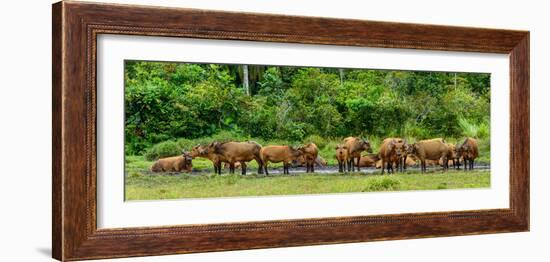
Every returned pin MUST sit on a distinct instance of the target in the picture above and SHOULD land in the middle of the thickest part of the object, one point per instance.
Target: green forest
(168, 102)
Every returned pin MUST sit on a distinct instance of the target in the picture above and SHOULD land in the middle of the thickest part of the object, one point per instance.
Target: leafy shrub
(163, 149)
(484, 130)
(471, 129)
(318, 140)
(468, 129)
(384, 183)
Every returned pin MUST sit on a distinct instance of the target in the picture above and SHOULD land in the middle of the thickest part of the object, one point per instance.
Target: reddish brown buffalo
(173, 164)
(208, 152)
(237, 165)
(301, 162)
(369, 160)
(452, 157)
(355, 146)
(468, 151)
(431, 149)
(401, 152)
(392, 152)
(309, 153)
(276, 154)
(341, 157)
(242, 152)
(410, 160)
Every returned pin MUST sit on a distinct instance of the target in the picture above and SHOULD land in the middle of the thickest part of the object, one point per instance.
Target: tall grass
(476, 130)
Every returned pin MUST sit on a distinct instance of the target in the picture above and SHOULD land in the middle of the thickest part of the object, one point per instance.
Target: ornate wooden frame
(75, 29)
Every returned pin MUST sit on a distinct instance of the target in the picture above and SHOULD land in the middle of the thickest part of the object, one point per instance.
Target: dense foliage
(165, 101)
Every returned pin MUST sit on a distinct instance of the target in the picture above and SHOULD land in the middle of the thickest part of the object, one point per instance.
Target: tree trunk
(245, 80)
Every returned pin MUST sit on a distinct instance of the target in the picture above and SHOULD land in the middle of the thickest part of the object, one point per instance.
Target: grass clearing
(154, 187)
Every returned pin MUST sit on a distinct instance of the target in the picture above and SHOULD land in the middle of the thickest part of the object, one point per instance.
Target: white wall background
(25, 132)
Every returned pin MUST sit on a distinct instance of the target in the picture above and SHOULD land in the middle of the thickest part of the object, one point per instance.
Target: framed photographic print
(181, 130)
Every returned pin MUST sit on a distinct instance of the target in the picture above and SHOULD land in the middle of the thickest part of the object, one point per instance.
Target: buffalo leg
(260, 165)
(265, 167)
(243, 167)
(339, 166)
(313, 166)
(400, 164)
(218, 168)
(383, 166)
(358, 167)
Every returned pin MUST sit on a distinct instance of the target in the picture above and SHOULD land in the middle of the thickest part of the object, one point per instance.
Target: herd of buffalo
(394, 153)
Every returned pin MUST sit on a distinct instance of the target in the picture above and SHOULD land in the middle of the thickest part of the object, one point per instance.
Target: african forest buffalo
(276, 154)
(401, 149)
(341, 157)
(174, 164)
(355, 146)
(309, 153)
(232, 152)
(431, 149)
(208, 152)
(452, 157)
(237, 165)
(369, 160)
(469, 151)
(392, 152)
(301, 162)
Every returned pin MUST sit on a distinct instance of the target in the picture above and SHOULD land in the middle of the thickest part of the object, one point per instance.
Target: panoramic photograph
(201, 130)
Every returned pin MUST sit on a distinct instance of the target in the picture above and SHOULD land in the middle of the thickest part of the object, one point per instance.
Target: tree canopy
(166, 101)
